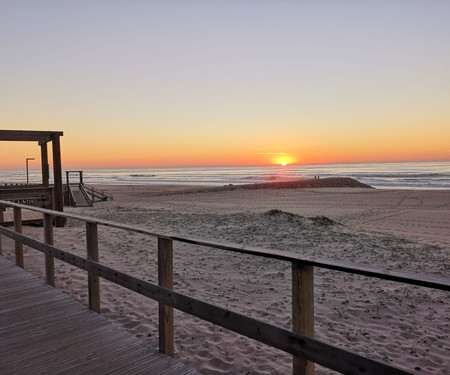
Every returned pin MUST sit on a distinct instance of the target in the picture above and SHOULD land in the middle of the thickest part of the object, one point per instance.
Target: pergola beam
(28, 135)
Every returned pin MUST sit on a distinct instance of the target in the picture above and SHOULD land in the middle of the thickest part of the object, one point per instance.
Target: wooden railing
(32, 195)
(299, 341)
(69, 196)
(96, 194)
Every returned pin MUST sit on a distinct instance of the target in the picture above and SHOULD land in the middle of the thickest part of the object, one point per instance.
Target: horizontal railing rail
(89, 199)
(298, 342)
(99, 194)
(434, 282)
(37, 195)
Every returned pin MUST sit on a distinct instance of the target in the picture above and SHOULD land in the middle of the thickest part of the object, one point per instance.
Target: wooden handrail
(89, 200)
(97, 193)
(71, 197)
(435, 282)
(299, 342)
(315, 350)
(38, 195)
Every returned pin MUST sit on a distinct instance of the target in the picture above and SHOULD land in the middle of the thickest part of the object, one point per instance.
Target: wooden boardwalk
(45, 331)
(28, 217)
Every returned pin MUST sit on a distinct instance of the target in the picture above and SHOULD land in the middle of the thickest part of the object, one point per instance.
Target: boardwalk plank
(101, 362)
(72, 362)
(45, 331)
(23, 298)
(161, 365)
(14, 289)
(39, 334)
(20, 325)
(53, 348)
(36, 313)
(155, 363)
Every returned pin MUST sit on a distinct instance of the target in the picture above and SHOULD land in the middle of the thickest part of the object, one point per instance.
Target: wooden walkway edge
(45, 331)
(28, 217)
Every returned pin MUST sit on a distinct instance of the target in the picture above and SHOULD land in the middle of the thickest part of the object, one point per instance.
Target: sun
(283, 163)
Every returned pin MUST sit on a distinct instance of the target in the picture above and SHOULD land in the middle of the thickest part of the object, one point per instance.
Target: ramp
(80, 200)
(82, 195)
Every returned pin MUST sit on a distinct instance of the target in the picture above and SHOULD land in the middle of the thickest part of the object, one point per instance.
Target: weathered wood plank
(44, 165)
(53, 363)
(75, 347)
(18, 229)
(165, 279)
(38, 336)
(302, 311)
(25, 298)
(58, 201)
(27, 135)
(102, 362)
(2, 210)
(49, 260)
(63, 314)
(70, 337)
(93, 279)
(28, 217)
(158, 366)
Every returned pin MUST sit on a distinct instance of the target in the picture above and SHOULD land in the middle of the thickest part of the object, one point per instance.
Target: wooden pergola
(43, 138)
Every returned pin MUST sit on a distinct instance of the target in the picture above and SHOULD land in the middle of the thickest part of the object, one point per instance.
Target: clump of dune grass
(323, 220)
(289, 215)
(302, 220)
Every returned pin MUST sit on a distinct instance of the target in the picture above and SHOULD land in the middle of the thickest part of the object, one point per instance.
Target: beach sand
(394, 229)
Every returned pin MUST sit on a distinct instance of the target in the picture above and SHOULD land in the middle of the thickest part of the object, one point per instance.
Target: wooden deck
(28, 217)
(45, 331)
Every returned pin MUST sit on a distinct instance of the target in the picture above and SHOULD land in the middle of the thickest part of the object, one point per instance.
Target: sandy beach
(394, 229)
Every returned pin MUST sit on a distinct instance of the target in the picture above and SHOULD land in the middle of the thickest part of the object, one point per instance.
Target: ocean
(424, 175)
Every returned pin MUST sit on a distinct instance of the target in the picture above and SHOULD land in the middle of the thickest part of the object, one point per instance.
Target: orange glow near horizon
(98, 152)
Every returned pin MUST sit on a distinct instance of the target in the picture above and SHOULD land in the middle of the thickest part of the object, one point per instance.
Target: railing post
(49, 260)
(92, 254)
(302, 310)
(1, 221)
(165, 279)
(18, 229)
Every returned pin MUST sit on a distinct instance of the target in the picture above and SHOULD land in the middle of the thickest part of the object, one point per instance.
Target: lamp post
(28, 180)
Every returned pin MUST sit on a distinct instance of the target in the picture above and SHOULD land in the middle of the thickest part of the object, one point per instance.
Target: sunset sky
(188, 83)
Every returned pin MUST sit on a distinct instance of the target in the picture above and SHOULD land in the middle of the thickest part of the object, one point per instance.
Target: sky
(211, 83)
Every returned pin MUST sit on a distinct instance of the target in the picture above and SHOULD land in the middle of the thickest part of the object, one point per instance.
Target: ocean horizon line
(417, 175)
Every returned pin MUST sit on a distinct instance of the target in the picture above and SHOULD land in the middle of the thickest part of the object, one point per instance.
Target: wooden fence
(299, 341)
(31, 194)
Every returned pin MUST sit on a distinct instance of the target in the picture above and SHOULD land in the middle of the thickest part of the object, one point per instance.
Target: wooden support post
(1, 221)
(18, 229)
(92, 254)
(44, 165)
(49, 260)
(303, 311)
(57, 176)
(165, 279)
